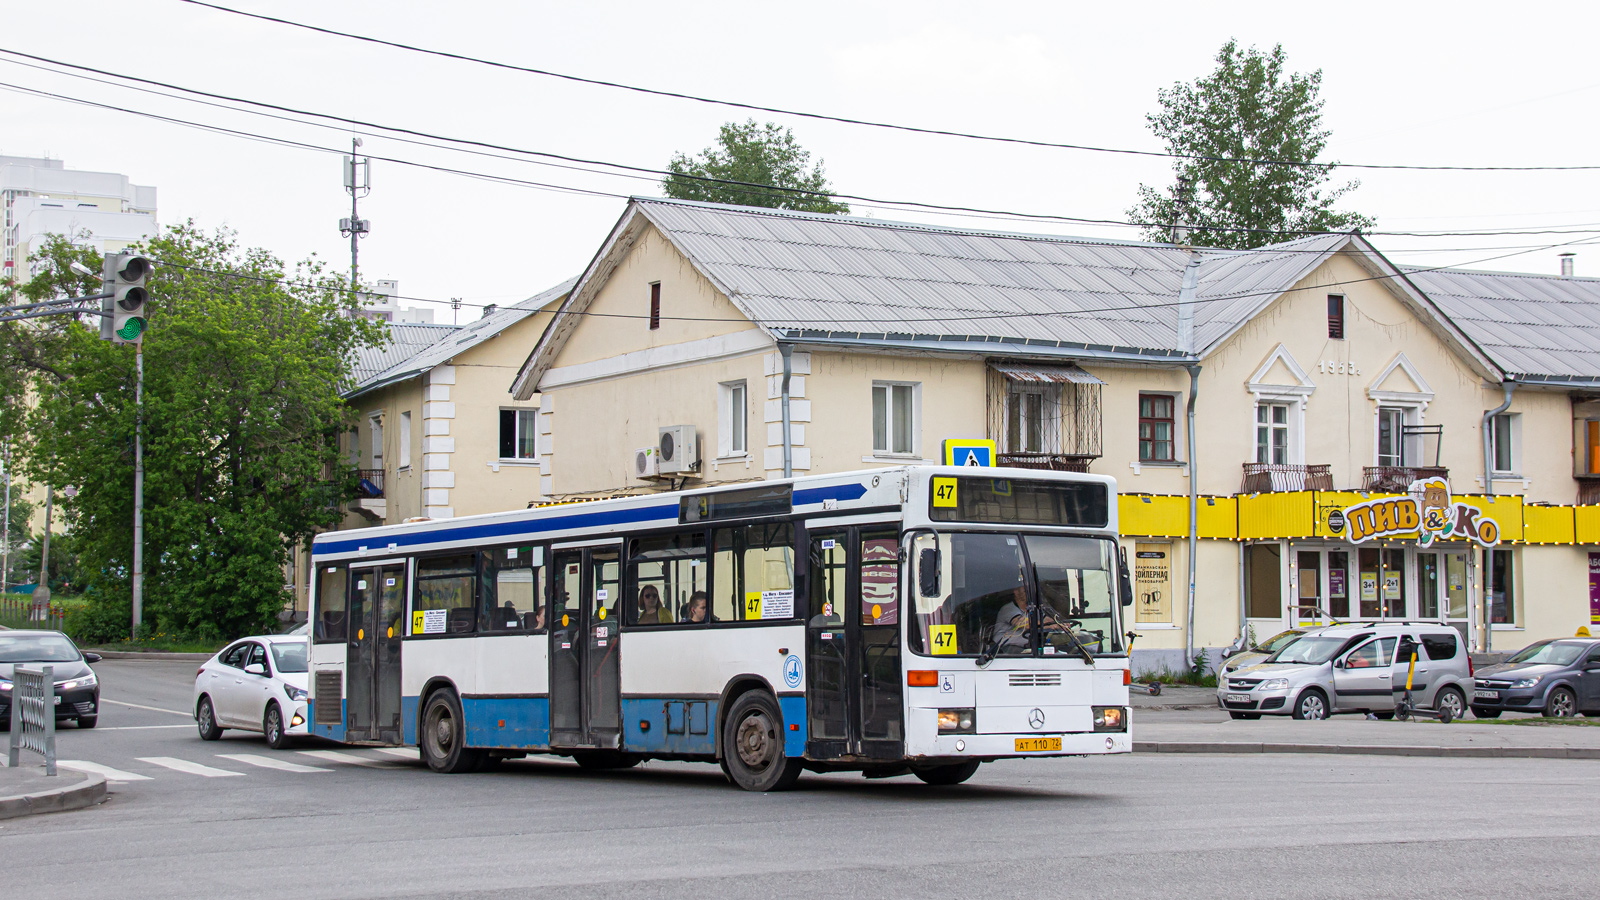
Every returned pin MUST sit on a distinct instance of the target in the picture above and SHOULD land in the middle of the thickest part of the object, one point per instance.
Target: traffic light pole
(138, 492)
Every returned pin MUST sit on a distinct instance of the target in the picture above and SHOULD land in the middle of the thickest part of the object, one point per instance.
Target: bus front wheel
(752, 745)
(444, 735)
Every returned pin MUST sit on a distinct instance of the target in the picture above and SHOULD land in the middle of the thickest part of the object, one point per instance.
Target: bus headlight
(1110, 718)
(958, 721)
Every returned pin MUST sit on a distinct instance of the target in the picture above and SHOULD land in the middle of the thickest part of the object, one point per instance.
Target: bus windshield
(1015, 595)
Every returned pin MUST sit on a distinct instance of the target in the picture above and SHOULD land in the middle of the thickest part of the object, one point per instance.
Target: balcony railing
(1396, 479)
(369, 484)
(1265, 478)
(1054, 462)
(1589, 490)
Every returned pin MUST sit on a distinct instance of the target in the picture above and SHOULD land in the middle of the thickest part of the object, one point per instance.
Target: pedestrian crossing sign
(969, 452)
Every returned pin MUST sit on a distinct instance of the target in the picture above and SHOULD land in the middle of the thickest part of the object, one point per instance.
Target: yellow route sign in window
(944, 492)
(943, 638)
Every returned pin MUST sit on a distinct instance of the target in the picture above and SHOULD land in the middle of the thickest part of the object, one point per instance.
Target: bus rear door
(854, 695)
(585, 687)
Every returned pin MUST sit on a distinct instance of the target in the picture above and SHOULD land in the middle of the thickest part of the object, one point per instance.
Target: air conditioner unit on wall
(678, 450)
(644, 463)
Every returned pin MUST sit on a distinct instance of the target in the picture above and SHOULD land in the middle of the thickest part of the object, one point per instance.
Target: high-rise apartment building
(41, 197)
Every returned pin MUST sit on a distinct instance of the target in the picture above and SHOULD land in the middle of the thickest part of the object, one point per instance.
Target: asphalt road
(371, 824)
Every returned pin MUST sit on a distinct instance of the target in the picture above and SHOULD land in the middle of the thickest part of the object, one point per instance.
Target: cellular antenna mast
(358, 184)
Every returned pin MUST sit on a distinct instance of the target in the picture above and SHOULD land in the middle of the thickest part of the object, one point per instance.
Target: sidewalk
(1354, 735)
(26, 791)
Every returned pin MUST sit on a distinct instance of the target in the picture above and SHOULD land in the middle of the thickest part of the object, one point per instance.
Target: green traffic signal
(131, 329)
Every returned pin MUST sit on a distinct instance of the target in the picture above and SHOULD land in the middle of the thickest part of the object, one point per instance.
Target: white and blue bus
(919, 619)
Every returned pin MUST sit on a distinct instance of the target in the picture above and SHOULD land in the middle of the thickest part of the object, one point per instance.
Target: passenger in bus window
(1011, 623)
(696, 611)
(651, 612)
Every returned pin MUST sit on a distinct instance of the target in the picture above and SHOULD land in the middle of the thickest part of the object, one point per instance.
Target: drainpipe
(1508, 385)
(787, 350)
(1194, 514)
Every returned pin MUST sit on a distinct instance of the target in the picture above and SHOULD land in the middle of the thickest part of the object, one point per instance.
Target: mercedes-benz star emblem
(1036, 718)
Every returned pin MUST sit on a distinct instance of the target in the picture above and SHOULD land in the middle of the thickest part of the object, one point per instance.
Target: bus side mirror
(1124, 582)
(928, 571)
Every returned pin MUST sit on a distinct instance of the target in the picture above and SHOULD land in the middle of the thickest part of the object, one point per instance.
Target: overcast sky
(1464, 84)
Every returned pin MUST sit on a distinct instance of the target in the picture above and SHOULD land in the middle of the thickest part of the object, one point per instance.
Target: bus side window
(512, 589)
(666, 577)
(880, 580)
(332, 582)
(753, 572)
(444, 600)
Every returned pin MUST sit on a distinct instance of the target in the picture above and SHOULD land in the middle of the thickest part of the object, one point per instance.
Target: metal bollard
(33, 715)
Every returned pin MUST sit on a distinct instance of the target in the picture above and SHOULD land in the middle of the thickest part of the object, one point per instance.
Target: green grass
(163, 644)
(1166, 676)
(1538, 720)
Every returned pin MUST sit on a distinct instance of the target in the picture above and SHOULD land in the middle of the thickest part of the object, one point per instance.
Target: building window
(1391, 432)
(375, 427)
(655, 305)
(894, 418)
(1263, 581)
(1335, 317)
(1502, 589)
(1272, 433)
(405, 439)
(733, 415)
(1503, 434)
(519, 434)
(1025, 426)
(1591, 435)
(1155, 428)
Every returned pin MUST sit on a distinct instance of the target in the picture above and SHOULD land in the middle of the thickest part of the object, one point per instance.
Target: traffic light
(125, 276)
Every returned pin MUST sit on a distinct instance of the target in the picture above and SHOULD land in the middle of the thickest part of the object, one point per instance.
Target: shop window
(752, 573)
(1272, 433)
(331, 584)
(1156, 428)
(1309, 579)
(1264, 580)
(1383, 586)
(1455, 585)
(444, 602)
(894, 418)
(1502, 590)
(668, 579)
(513, 590)
(519, 434)
(1339, 584)
(1428, 585)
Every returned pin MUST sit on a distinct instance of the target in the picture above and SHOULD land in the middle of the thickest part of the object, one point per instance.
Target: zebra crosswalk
(228, 765)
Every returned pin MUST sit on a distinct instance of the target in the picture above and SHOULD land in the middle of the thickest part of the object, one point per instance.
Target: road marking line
(151, 708)
(348, 758)
(268, 762)
(110, 774)
(139, 727)
(407, 753)
(189, 768)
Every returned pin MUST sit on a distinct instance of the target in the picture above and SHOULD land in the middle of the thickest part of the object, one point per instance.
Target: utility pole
(41, 594)
(455, 307)
(358, 183)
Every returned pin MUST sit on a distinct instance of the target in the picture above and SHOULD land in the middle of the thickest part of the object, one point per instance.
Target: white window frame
(1410, 447)
(523, 415)
(889, 435)
(1293, 452)
(1514, 433)
(375, 434)
(1024, 391)
(1295, 396)
(733, 419)
(405, 440)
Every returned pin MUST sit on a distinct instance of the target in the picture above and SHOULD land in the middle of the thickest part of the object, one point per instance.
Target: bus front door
(854, 696)
(585, 684)
(377, 606)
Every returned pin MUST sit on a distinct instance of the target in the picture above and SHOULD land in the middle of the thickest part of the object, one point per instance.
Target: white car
(254, 684)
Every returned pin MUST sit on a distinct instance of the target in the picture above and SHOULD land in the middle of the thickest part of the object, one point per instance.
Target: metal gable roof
(454, 340)
(1534, 326)
(405, 340)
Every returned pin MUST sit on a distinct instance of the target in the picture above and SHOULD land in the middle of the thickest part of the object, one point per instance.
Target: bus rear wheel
(444, 735)
(752, 745)
(955, 773)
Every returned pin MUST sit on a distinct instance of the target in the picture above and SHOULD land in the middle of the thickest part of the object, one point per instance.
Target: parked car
(1352, 668)
(254, 684)
(1261, 651)
(77, 688)
(1558, 678)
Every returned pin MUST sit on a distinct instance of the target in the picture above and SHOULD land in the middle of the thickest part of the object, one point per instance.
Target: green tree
(243, 367)
(1242, 135)
(755, 155)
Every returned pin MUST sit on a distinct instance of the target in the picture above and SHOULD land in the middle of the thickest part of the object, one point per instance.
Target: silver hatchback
(1354, 668)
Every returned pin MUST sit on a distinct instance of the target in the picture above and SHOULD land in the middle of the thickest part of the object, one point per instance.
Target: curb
(137, 654)
(1367, 749)
(88, 792)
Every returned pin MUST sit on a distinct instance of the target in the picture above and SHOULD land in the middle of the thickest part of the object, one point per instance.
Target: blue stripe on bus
(794, 713)
(806, 497)
(671, 723)
(514, 722)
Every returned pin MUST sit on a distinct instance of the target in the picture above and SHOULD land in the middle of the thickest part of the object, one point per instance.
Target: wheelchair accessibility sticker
(791, 671)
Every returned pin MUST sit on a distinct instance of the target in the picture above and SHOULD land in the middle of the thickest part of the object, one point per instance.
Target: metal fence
(17, 611)
(33, 715)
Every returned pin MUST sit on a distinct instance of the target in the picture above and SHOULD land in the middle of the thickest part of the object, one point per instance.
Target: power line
(734, 186)
(865, 122)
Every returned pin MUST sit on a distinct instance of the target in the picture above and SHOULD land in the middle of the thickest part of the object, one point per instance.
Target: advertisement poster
(1369, 587)
(1152, 583)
